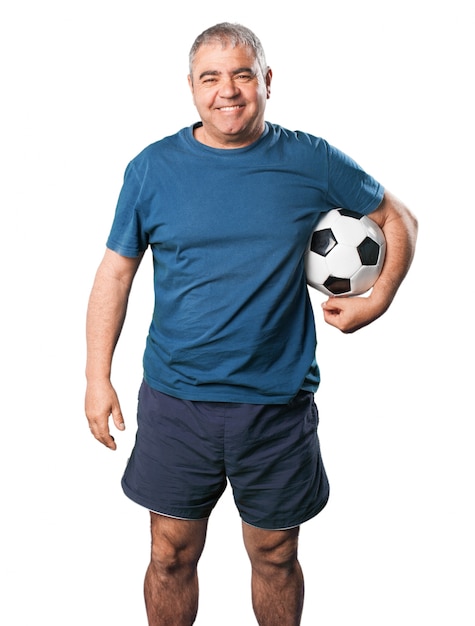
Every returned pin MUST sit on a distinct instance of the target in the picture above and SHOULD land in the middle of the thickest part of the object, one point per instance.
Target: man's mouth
(233, 108)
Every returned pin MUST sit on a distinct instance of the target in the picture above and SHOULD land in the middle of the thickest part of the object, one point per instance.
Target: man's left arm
(399, 226)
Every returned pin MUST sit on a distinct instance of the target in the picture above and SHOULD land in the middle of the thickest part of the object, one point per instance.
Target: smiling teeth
(229, 108)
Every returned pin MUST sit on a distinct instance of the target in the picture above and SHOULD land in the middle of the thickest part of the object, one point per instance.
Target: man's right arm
(105, 317)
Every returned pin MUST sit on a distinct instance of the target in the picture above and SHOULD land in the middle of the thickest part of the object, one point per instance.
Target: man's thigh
(177, 540)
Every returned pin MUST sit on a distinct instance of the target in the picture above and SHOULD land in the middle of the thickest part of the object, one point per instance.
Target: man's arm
(105, 316)
(400, 229)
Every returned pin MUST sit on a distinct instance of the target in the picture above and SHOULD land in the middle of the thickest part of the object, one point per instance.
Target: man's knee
(176, 544)
(272, 550)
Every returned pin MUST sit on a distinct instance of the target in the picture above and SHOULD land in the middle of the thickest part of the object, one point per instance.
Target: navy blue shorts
(185, 452)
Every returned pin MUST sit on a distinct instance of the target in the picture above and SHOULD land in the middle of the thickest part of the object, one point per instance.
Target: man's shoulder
(300, 137)
(297, 142)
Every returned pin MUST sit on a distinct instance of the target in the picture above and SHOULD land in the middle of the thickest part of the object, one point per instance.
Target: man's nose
(228, 88)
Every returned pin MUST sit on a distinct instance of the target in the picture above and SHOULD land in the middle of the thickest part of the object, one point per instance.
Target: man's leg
(277, 580)
(171, 581)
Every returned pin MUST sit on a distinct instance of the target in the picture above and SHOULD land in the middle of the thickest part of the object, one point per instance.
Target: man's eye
(207, 79)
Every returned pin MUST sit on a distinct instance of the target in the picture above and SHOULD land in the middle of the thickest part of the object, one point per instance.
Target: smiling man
(227, 207)
(230, 89)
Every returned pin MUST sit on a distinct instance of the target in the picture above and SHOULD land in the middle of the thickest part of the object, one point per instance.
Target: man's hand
(101, 402)
(350, 314)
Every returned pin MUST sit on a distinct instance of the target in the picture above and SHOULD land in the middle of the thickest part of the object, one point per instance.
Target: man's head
(233, 35)
(230, 83)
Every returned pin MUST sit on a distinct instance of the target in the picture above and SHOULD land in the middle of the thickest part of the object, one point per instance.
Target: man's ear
(268, 81)
(190, 85)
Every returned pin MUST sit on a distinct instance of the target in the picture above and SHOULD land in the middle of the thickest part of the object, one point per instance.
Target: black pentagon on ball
(337, 286)
(368, 251)
(323, 241)
(348, 213)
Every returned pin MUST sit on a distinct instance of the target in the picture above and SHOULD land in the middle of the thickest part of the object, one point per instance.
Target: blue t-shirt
(228, 231)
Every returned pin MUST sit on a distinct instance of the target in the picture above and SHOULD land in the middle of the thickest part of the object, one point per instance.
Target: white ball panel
(343, 261)
(373, 230)
(316, 268)
(364, 278)
(349, 230)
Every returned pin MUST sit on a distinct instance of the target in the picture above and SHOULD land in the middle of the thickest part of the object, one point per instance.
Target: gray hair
(233, 34)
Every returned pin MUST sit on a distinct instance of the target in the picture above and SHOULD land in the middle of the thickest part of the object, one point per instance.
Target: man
(227, 207)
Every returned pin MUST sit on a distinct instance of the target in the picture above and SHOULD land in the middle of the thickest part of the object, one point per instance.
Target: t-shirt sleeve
(349, 186)
(127, 235)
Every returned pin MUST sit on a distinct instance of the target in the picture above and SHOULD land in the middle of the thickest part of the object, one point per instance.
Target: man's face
(230, 93)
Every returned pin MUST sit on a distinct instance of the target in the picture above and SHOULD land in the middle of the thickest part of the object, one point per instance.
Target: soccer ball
(345, 254)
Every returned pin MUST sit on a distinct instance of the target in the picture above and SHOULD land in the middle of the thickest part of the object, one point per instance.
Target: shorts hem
(153, 509)
(290, 525)
(183, 519)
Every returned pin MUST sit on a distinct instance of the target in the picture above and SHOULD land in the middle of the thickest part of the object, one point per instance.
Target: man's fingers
(102, 434)
(118, 419)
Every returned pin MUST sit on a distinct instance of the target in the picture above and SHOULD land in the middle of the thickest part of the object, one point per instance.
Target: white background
(85, 86)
